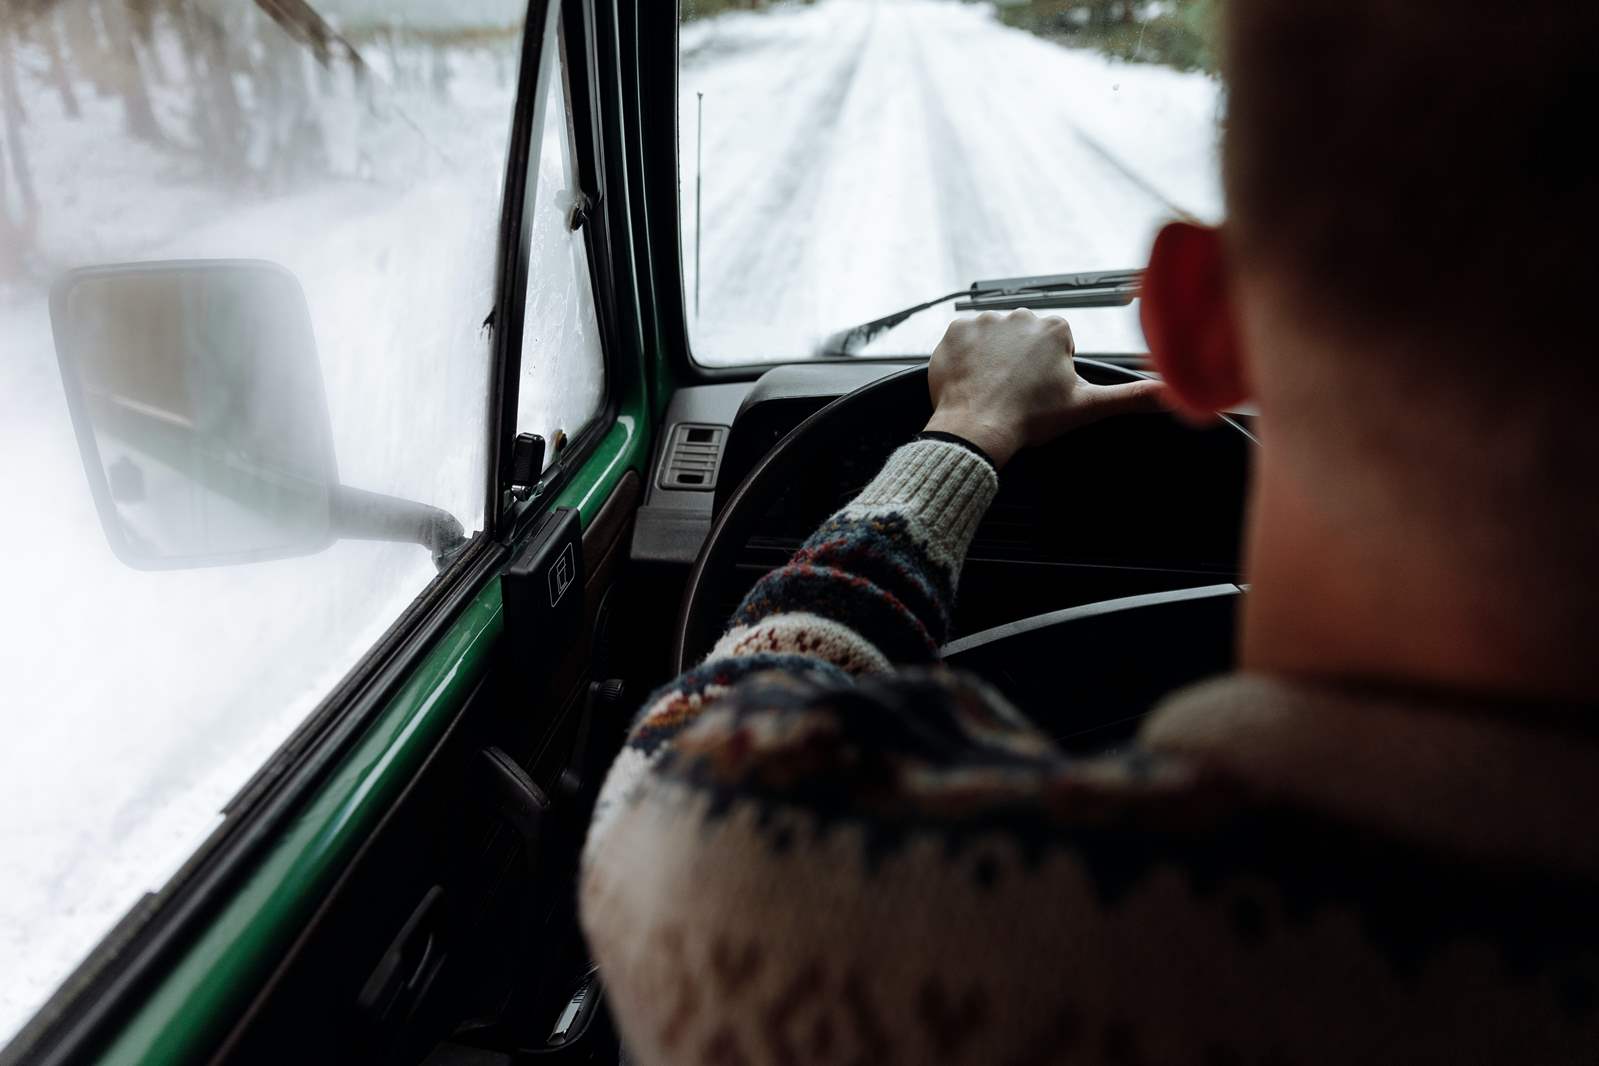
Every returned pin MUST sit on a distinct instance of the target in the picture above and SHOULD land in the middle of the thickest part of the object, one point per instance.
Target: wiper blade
(1105, 288)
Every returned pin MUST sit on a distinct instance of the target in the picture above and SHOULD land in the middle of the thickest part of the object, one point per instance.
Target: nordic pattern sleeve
(872, 588)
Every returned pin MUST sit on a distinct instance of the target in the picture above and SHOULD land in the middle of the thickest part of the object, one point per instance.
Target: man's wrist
(998, 443)
(960, 442)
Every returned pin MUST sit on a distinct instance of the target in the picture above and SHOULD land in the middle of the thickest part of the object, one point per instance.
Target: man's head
(1403, 284)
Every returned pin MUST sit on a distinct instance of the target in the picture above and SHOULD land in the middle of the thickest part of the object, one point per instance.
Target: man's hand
(1006, 382)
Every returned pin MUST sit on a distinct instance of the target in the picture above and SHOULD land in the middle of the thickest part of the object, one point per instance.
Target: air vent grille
(693, 457)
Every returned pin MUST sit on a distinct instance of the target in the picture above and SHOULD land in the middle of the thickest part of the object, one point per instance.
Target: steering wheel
(895, 408)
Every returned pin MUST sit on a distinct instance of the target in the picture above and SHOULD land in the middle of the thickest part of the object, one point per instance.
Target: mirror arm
(361, 515)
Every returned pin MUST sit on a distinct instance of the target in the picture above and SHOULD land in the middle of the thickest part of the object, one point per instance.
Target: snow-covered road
(860, 156)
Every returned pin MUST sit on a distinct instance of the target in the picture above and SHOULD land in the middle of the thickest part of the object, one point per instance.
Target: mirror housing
(197, 398)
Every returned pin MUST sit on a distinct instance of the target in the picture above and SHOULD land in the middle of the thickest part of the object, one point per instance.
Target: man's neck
(1382, 604)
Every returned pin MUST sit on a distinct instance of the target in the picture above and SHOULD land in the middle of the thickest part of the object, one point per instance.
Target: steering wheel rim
(905, 394)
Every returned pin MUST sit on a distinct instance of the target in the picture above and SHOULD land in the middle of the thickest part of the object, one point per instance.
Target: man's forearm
(885, 567)
(872, 588)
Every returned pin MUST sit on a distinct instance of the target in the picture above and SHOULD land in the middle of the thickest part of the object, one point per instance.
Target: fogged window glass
(263, 438)
(842, 161)
(563, 369)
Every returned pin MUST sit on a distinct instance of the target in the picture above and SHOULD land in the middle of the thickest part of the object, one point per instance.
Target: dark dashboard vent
(693, 457)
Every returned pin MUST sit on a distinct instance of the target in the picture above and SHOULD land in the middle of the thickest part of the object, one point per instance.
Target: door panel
(498, 940)
(180, 1016)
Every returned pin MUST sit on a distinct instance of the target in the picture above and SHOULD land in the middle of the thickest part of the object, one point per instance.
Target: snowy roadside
(140, 702)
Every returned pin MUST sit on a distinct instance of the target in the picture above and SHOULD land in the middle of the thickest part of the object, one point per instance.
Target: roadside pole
(699, 184)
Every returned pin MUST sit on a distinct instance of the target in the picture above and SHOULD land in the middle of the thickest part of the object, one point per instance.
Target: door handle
(407, 967)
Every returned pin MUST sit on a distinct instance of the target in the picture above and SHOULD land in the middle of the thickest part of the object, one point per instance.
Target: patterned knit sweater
(820, 847)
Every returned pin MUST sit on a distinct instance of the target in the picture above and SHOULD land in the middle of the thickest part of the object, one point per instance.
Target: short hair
(1425, 165)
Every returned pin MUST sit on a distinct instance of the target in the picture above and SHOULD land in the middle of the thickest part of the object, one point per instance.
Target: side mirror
(202, 420)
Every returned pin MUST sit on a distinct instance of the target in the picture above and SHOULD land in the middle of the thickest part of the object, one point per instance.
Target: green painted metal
(621, 449)
(182, 1019)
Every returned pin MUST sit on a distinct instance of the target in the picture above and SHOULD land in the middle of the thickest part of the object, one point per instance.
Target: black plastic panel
(1141, 492)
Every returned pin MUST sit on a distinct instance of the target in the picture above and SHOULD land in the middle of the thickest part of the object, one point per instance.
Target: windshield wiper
(1106, 288)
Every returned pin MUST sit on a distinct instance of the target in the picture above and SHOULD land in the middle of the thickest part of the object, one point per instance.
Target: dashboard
(1130, 506)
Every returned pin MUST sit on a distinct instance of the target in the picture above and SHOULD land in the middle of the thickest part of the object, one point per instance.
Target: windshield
(844, 159)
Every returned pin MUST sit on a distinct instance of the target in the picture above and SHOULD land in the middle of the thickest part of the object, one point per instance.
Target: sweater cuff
(952, 438)
(945, 487)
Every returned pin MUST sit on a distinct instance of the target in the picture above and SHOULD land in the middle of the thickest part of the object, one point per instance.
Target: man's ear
(1187, 312)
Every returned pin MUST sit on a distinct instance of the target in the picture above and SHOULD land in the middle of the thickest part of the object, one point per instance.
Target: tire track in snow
(787, 206)
(1120, 166)
(1021, 87)
(1052, 178)
(973, 231)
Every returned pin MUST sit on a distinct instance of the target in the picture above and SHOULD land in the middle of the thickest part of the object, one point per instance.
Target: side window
(563, 365)
(262, 240)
